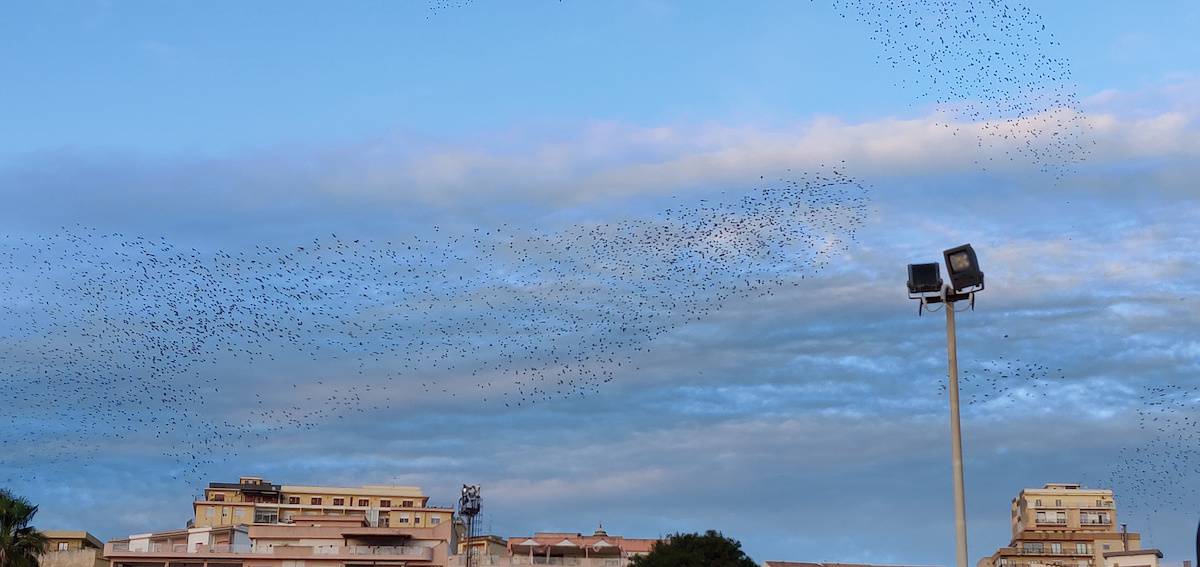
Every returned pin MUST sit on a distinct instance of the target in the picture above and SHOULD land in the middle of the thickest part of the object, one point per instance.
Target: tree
(20, 543)
(710, 549)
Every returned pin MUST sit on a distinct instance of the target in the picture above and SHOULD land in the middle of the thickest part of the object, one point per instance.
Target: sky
(808, 422)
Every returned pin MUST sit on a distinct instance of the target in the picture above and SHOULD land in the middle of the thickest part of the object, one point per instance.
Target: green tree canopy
(710, 549)
(20, 543)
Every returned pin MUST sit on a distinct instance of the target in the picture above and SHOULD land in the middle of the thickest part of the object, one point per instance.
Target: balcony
(1051, 521)
(227, 551)
(569, 561)
(1048, 551)
(1051, 563)
(517, 560)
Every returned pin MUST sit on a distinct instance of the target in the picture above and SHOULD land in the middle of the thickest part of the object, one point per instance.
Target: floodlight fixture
(925, 278)
(963, 267)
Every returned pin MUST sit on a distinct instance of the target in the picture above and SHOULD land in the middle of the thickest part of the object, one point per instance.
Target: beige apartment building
(320, 540)
(253, 500)
(1063, 525)
(65, 548)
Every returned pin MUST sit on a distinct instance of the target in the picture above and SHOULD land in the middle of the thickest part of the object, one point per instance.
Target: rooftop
(806, 564)
(374, 489)
(1067, 487)
(73, 534)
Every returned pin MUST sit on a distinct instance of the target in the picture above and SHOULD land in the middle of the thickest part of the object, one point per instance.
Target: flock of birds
(1161, 472)
(1164, 472)
(110, 337)
(989, 66)
(113, 337)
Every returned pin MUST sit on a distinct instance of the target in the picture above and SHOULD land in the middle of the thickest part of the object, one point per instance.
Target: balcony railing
(1074, 506)
(406, 551)
(566, 561)
(1053, 563)
(1050, 551)
(1052, 521)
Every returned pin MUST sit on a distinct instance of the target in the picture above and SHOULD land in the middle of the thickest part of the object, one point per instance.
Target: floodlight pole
(960, 504)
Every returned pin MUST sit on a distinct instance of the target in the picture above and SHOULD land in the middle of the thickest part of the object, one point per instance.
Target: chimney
(1124, 537)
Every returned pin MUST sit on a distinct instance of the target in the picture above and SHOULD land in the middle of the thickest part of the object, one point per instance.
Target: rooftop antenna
(468, 507)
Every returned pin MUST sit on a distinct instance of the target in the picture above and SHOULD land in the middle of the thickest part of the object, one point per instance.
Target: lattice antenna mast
(468, 508)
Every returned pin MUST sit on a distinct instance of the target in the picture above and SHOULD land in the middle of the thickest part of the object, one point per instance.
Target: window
(435, 520)
(1058, 502)
(237, 512)
(385, 521)
(1056, 548)
(339, 501)
(293, 499)
(407, 503)
(208, 512)
(63, 546)
(266, 516)
(1081, 548)
(403, 518)
(1099, 503)
(1033, 547)
(385, 503)
(218, 497)
(364, 502)
(417, 520)
(1037, 502)
(1106, 547)
(315, 501)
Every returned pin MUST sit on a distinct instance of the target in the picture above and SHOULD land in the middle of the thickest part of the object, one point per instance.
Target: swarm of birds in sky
(109, 337)
(119, 340)
(990, 67)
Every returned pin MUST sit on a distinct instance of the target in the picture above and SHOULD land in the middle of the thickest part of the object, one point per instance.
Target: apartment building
(482, 545)
(253, 500)
(67, 548)
(1063, 525)
(320, 540)
(564, 548)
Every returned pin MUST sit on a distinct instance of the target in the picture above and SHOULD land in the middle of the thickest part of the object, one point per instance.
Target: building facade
(483, 545)
(72, 549)
(562, 548)
(253, 500)
(1134, 558)
(1062, 525)
(321, 540)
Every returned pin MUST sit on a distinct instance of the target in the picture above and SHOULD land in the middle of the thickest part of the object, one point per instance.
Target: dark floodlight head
(924, 278)
(963, 267)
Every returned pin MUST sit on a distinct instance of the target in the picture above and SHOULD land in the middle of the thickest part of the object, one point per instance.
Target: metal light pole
(925, 284)
(960, 498)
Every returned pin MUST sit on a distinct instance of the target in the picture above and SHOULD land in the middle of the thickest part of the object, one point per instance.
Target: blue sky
(223, 126)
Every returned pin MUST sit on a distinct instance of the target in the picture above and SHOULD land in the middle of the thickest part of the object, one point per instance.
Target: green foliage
(20, 543)
(710, 549)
